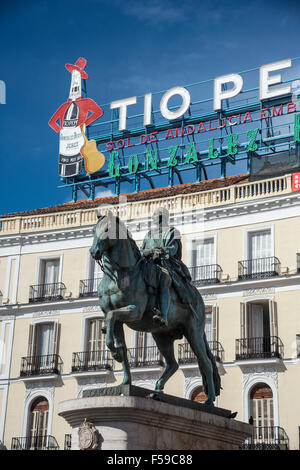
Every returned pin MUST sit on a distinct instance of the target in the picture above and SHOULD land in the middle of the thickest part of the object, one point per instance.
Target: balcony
(267, 438)
(208, 274)
(88, 361)
(259, 268)
(47, 292)
(187, 356)
(145, 357)
(34, 443)
(88, 287)
(259, 348)
(41, 365)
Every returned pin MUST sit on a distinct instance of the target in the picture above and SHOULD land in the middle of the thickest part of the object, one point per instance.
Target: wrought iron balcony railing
(187, 356)
(259, 348)
(34, 443)
(68, 442)
(298, 262)
(145, 357)
(88, 287)
(267, 438)
(41, 365)
(259, 268)
(86, 361)
(47, 292)
(208, 274)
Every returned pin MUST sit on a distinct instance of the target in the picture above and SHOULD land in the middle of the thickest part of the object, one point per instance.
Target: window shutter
(56, 331)
(215, 323)
(273, 318)
(243, 319)
(32, 340)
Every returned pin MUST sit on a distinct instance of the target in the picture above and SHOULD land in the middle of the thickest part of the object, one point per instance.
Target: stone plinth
(132, 418)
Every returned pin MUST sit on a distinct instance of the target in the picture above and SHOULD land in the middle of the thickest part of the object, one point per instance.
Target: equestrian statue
(151, 291)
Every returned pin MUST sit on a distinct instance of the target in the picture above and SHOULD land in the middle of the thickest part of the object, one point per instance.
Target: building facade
(241, 242)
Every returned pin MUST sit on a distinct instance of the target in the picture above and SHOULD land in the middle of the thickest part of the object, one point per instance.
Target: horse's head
(107, 232)
(103, 237)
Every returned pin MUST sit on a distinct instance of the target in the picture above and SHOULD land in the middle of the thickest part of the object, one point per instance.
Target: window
(145, 351)
(43, 339)
(203, 261)
(96, 338)
(261, 406)
(49, 287)
(96, 350)
(43, 348)
(211, 323)
(38, 423)
(95, 271)
(259, 319)
(144, 346)
(49, 271)
(199, 395)
(204, 252)
(260, 251)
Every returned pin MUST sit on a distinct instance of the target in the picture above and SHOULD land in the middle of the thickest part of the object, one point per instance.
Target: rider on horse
(162, 247)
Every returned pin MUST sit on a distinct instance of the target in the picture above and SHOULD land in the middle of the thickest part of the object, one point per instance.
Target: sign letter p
(2, 92)
(220, 91)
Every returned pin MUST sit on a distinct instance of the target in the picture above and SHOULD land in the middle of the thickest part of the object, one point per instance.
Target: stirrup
(157, 317)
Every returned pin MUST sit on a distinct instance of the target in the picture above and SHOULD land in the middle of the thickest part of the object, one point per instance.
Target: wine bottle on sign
(70, 136)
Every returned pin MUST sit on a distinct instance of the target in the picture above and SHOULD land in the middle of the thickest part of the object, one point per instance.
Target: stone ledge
(134, 391)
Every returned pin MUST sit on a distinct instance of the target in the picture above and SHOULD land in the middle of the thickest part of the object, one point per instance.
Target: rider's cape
(176, 269)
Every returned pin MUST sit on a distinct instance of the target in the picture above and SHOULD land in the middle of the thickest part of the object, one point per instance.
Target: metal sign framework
(211, 146)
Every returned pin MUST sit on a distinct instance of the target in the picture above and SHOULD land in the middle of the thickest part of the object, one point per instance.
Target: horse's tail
(216, 375)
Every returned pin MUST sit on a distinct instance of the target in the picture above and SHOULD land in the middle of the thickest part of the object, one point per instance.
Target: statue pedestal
(133, 418)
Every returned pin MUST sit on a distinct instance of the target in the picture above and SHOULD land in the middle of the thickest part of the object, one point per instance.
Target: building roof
(156, 193)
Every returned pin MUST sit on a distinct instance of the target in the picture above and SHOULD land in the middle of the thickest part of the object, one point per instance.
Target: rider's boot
(164, 300)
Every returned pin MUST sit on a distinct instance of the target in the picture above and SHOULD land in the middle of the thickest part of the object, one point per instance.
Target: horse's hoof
(117, 355)
(126, 382)
(209, 402)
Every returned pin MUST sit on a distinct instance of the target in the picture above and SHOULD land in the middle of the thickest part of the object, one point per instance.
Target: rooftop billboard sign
(179, 135)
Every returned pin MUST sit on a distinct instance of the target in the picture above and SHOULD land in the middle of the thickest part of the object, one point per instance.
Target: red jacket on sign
(85, 106)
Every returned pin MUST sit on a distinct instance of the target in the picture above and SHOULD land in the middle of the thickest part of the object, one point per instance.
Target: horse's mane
(129, 237)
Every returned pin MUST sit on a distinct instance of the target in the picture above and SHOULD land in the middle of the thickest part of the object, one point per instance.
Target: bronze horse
(124, 298)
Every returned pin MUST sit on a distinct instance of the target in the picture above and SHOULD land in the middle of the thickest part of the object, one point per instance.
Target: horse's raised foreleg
(165, 345)
(123, 314)
(122, 351)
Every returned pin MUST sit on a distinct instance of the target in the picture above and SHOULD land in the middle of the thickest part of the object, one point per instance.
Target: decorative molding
(259, 374)
(93, 382)
(35, 389)
(44, 313)
(211, 296)
(253, 375)
(92, 308)
(6, 317)
(146, 379)
(258, 291)
(192, 380)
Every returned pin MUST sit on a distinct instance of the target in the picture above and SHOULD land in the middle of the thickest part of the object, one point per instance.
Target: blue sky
(132, 47)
